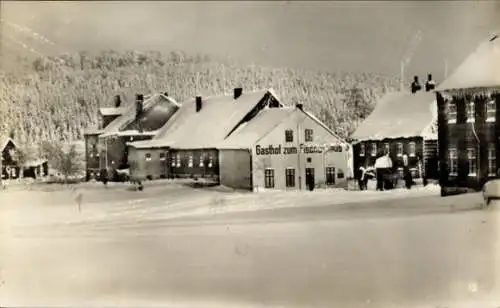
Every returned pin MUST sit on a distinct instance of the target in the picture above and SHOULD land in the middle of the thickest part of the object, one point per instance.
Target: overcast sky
(355, 36)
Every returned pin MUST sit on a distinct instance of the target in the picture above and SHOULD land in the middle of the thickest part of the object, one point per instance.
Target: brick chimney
(139, 101)
(237, 92)
(118, 100)
(415, 85)
(299, 106)
(198, 103)
(430, 84)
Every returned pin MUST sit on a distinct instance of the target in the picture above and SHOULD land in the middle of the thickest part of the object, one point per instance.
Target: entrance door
(310, 178)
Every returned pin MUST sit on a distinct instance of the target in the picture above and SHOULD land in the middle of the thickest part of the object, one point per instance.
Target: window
(162, 156)
(178, 160)
(289, 135)
(374, 149)
(471, 112)
(190, 160)
(173, 159)
(148, 156)
(210, 160)
(471, 158)
(362, 149)
(202, 159)
(411, 149)
(492, 160)
(453, 161)
(387, 147)
(290, 177)
(491, 110)
(330, 175)
(399, 149)
(269, 178)
(452, 112)
(309, 135)
(340, 174)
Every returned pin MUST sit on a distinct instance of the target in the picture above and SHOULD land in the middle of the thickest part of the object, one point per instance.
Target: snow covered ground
(42, 204)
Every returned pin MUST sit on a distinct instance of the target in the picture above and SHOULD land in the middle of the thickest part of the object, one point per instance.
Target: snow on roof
(398, 115)
(107, 111)
(481, 69)
(207, 128)
(129, 116)
(134, 132)
(4, 141)
(250, 132)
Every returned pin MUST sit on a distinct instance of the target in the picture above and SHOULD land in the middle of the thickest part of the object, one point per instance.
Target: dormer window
(471, 112)
(452, 112)
(491, 110)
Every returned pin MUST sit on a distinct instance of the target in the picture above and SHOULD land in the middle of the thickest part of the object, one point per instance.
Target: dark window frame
(330, 175)
(269, 178)
(290, 177)
(288, 135)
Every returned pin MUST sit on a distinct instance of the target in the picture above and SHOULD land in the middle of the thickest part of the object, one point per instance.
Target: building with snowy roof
(401, 123)
(105, 146)
(245, 140)
(469, 131)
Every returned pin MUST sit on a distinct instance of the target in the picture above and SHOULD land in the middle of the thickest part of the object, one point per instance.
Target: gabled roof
(266, 121)
(129, 116)
(4, 141)
(218, 116)
(481, 69)
(398, 115)
(250, 132)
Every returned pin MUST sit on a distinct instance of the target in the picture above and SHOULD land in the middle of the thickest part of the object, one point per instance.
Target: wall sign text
(282, 150)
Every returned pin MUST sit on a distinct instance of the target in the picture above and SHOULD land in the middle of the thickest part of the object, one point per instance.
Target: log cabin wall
(467, 138)
(396, 148)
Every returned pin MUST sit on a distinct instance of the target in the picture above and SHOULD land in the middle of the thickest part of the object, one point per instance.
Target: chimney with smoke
(430, 84)
(198, 103)
(415, 85)
(118, 100)
(237, 92)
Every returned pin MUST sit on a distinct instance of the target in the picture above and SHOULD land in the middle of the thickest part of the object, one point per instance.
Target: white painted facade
(327, 155)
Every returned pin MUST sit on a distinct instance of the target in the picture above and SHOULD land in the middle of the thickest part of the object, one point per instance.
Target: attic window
(491, 110)
(288, 135)
(148, 156)
(162, 156)
(471, 112)
(452, 112)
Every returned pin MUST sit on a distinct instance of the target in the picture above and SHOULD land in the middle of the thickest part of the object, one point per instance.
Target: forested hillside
(54, 99)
